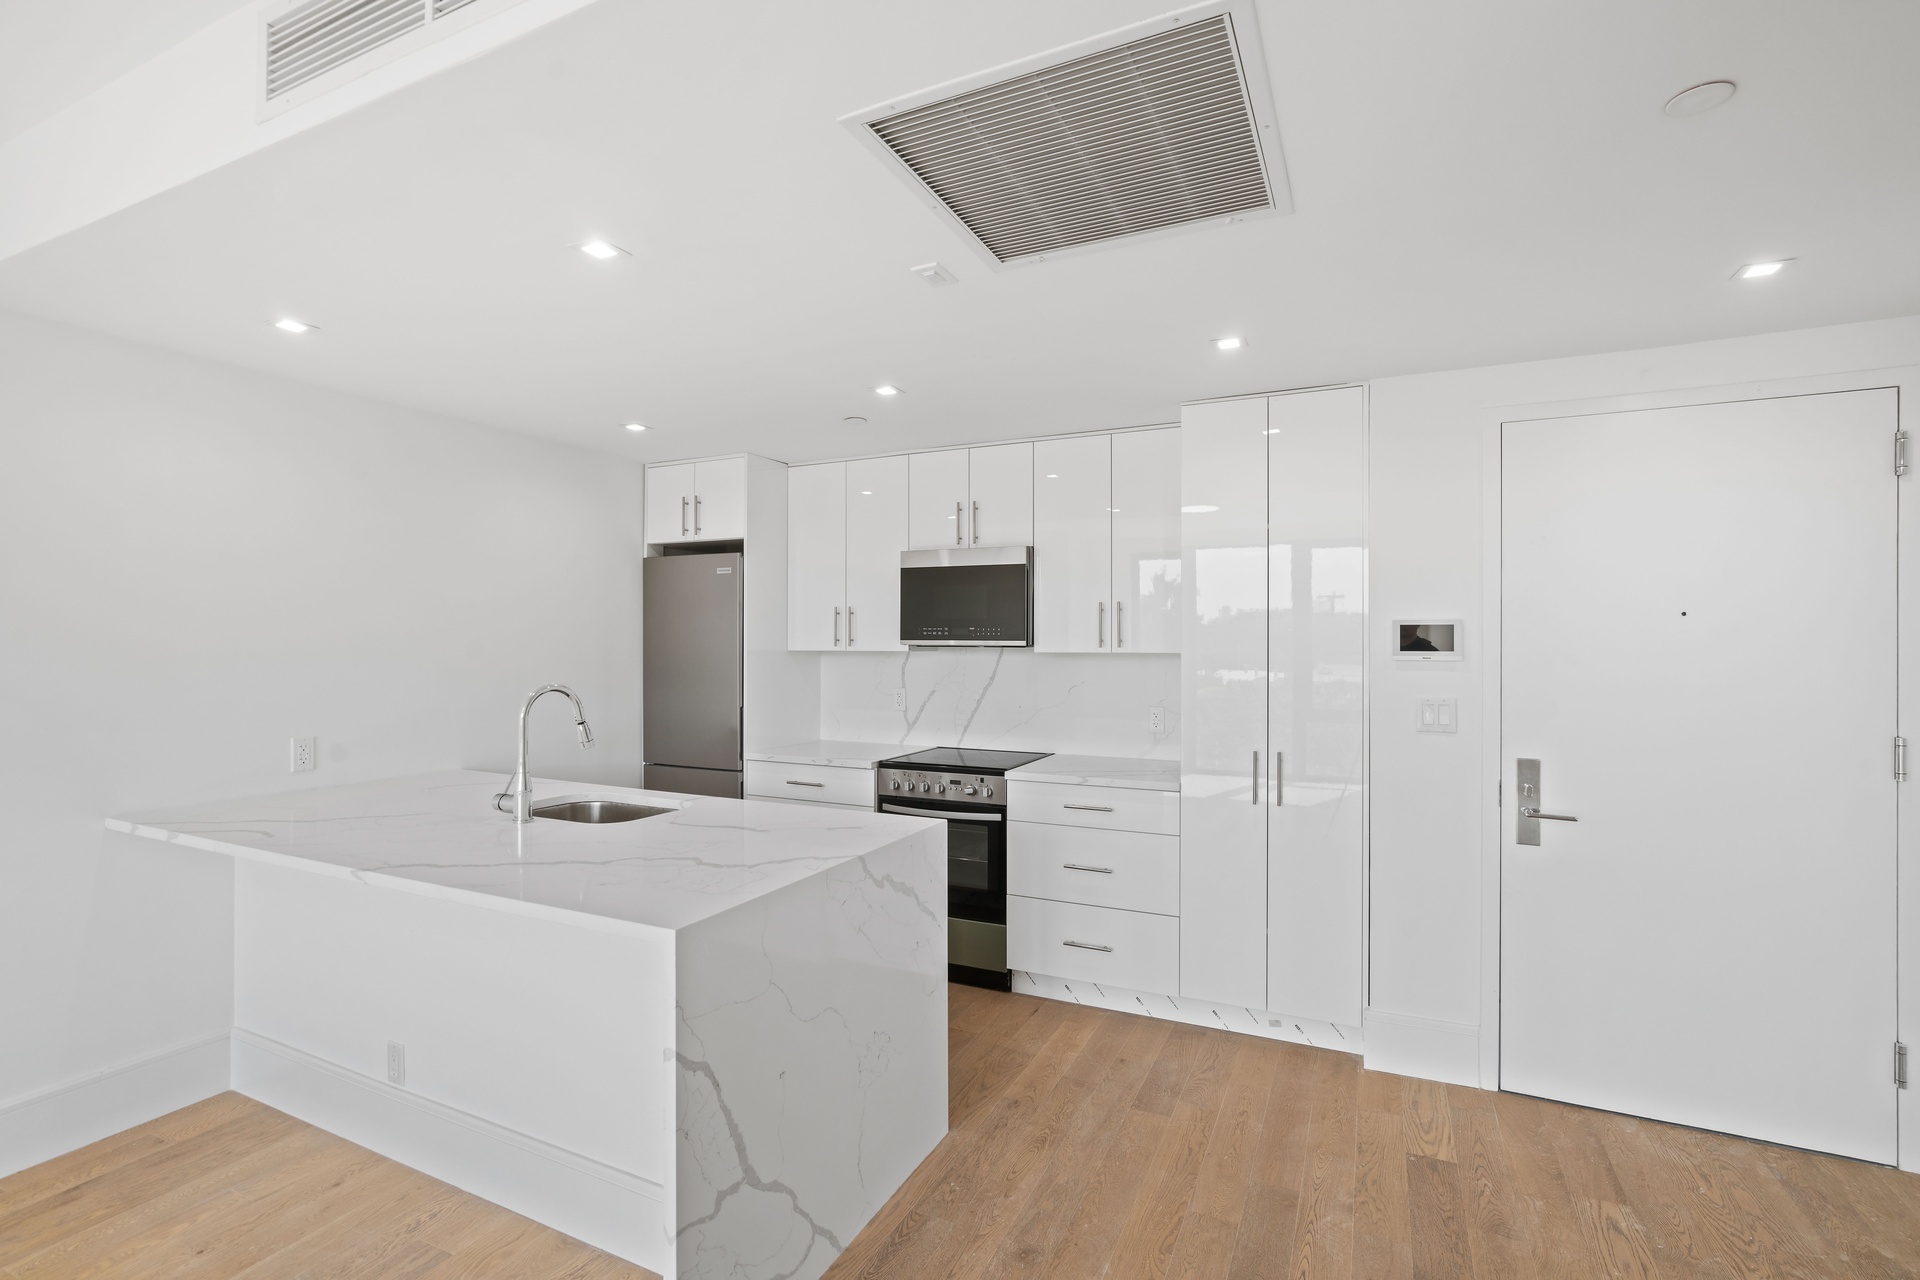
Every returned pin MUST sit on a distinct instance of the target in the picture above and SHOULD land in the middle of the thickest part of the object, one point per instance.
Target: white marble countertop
(1102, 771)
(439, 835)
(839, 755)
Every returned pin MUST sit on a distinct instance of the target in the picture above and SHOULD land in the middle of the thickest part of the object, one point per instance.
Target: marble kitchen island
(712, 1041)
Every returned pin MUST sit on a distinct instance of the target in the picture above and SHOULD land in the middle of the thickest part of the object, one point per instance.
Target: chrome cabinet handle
(836, 624)
(1085, 946)
(1075, 866)
(1548, 817)
(976, 522)
(950, 814)
(683, 515)
(795, 782)
(1118, 643)
(1092, 808)
(849, 626)
(1103, 624)
(1279, 767)
(696, 513)
(959, 535)
(1256, 777)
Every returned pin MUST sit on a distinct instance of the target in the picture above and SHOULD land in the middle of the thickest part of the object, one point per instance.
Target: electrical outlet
(301, 755)
(396, 1063)
(1156, 719)
(899, 699)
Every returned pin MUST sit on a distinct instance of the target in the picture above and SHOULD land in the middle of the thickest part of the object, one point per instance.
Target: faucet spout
(520, 787)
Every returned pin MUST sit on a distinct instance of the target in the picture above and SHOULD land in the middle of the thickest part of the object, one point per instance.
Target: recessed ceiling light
(1700, 98)
(1760, 270)
(855, 421)
(602, 250)
(1053, 477)
(866, 493)
(1227, 344)
(636, 426)
(934, 273)
(1199, 510)
(290, 325)
(887, 390)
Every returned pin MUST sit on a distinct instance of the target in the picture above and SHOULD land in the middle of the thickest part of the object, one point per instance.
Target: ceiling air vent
(315, 38)
(1120, 136)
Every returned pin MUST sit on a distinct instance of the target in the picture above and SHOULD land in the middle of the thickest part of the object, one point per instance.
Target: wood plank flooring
(1085, 1143)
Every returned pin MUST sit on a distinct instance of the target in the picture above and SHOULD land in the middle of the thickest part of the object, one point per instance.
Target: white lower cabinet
(1130, 949)
(1130, 870)
(810, 783)
(1105, 808)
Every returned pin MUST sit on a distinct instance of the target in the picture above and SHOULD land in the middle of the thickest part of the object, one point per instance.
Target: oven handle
(940, 813)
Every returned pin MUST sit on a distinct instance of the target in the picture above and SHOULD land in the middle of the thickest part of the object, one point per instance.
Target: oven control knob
(988, 790)
(896, 784)
(973, 791)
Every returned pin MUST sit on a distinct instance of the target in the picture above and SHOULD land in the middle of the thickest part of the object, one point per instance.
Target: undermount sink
(596, 811)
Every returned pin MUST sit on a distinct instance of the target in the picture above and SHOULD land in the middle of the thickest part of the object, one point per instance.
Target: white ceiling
(55, 52)
(1475, 182)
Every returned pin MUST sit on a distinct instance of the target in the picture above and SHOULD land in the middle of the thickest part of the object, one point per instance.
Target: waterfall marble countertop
(440, 836)
(1102, 771)
(838, 755)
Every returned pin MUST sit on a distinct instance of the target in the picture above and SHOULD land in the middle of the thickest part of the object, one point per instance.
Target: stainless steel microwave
(967, 596)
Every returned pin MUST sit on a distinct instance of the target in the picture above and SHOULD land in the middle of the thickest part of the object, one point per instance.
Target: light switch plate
(1436, 715)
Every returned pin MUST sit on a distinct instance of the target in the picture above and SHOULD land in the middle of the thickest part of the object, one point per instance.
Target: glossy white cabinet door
(1000, 485)
(670, 503)
(1223, 762)
(1146, 541)
(816, 556)
(1316, 487)
(720, 499)
(876, 535)
(937, 501)
(1072, 545)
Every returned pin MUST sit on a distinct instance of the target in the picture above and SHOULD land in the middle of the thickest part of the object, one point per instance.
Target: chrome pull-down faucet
(520, 788)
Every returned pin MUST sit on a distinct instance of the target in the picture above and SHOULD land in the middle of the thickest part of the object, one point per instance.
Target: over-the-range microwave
(967, 596)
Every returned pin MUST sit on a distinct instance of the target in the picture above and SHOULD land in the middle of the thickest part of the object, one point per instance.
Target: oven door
(976, 889)
(977, 596)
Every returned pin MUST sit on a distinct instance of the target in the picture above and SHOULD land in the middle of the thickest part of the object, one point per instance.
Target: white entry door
(1699, 648)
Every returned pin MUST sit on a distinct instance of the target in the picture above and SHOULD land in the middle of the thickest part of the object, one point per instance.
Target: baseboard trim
(1428, 1048)
(1238, 1019)
(613, 1209)
(41, 1126)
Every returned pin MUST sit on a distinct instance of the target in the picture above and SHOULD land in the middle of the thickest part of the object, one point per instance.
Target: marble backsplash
(1013, 699)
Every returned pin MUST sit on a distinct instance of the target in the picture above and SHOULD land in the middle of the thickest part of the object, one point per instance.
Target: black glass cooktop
(965, 760)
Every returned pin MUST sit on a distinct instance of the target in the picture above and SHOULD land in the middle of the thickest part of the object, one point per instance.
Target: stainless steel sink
(596, 811)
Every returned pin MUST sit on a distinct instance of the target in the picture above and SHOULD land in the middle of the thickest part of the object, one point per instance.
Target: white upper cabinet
(1000, 496)
(1073, 544)
(816, 556)
(697, 501)
(1223, 703)
(670, 503)
(937, 504)
(1146, 540)
(876, 534)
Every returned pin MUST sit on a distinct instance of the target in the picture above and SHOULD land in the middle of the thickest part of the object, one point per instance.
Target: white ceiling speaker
(1699, 99)
(1148, 129)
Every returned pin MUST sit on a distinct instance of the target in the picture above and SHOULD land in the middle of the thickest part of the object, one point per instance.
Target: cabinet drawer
(1094, 944)
(818, 783)
(1108, 808)
(1127, 869)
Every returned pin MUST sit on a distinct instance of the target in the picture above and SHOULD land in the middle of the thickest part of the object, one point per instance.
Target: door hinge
(1900, 1064)
(1899, 759)
(1899, 453)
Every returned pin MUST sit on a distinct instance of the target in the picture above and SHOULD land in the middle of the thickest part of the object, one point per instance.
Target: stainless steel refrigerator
(692, 672)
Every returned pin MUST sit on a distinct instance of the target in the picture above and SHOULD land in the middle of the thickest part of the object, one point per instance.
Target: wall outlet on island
(899, 699)
(1156, 719)
(396, 1063)
(301, 756)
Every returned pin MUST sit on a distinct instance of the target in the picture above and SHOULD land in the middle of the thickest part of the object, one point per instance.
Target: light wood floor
(1085, 1143)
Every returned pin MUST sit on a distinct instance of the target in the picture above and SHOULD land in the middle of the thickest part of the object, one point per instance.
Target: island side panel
(812, 1053)
(535, 1050)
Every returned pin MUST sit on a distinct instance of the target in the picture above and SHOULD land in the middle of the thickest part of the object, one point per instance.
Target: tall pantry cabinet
(1271, 811)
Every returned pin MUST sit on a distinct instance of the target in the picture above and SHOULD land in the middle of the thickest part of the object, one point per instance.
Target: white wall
(197, 563)
(1432, 500)
(1009, 699)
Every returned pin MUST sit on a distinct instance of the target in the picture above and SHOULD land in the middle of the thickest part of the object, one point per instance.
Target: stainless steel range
(967, 788)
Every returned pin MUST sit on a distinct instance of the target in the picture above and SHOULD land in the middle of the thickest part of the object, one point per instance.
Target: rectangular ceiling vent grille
(1137, 137)
(315, 38)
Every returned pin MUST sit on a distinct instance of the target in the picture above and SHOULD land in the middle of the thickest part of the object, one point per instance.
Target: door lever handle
(1548, 817)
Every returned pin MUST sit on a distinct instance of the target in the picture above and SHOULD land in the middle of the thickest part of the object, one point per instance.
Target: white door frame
(1905, 380)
